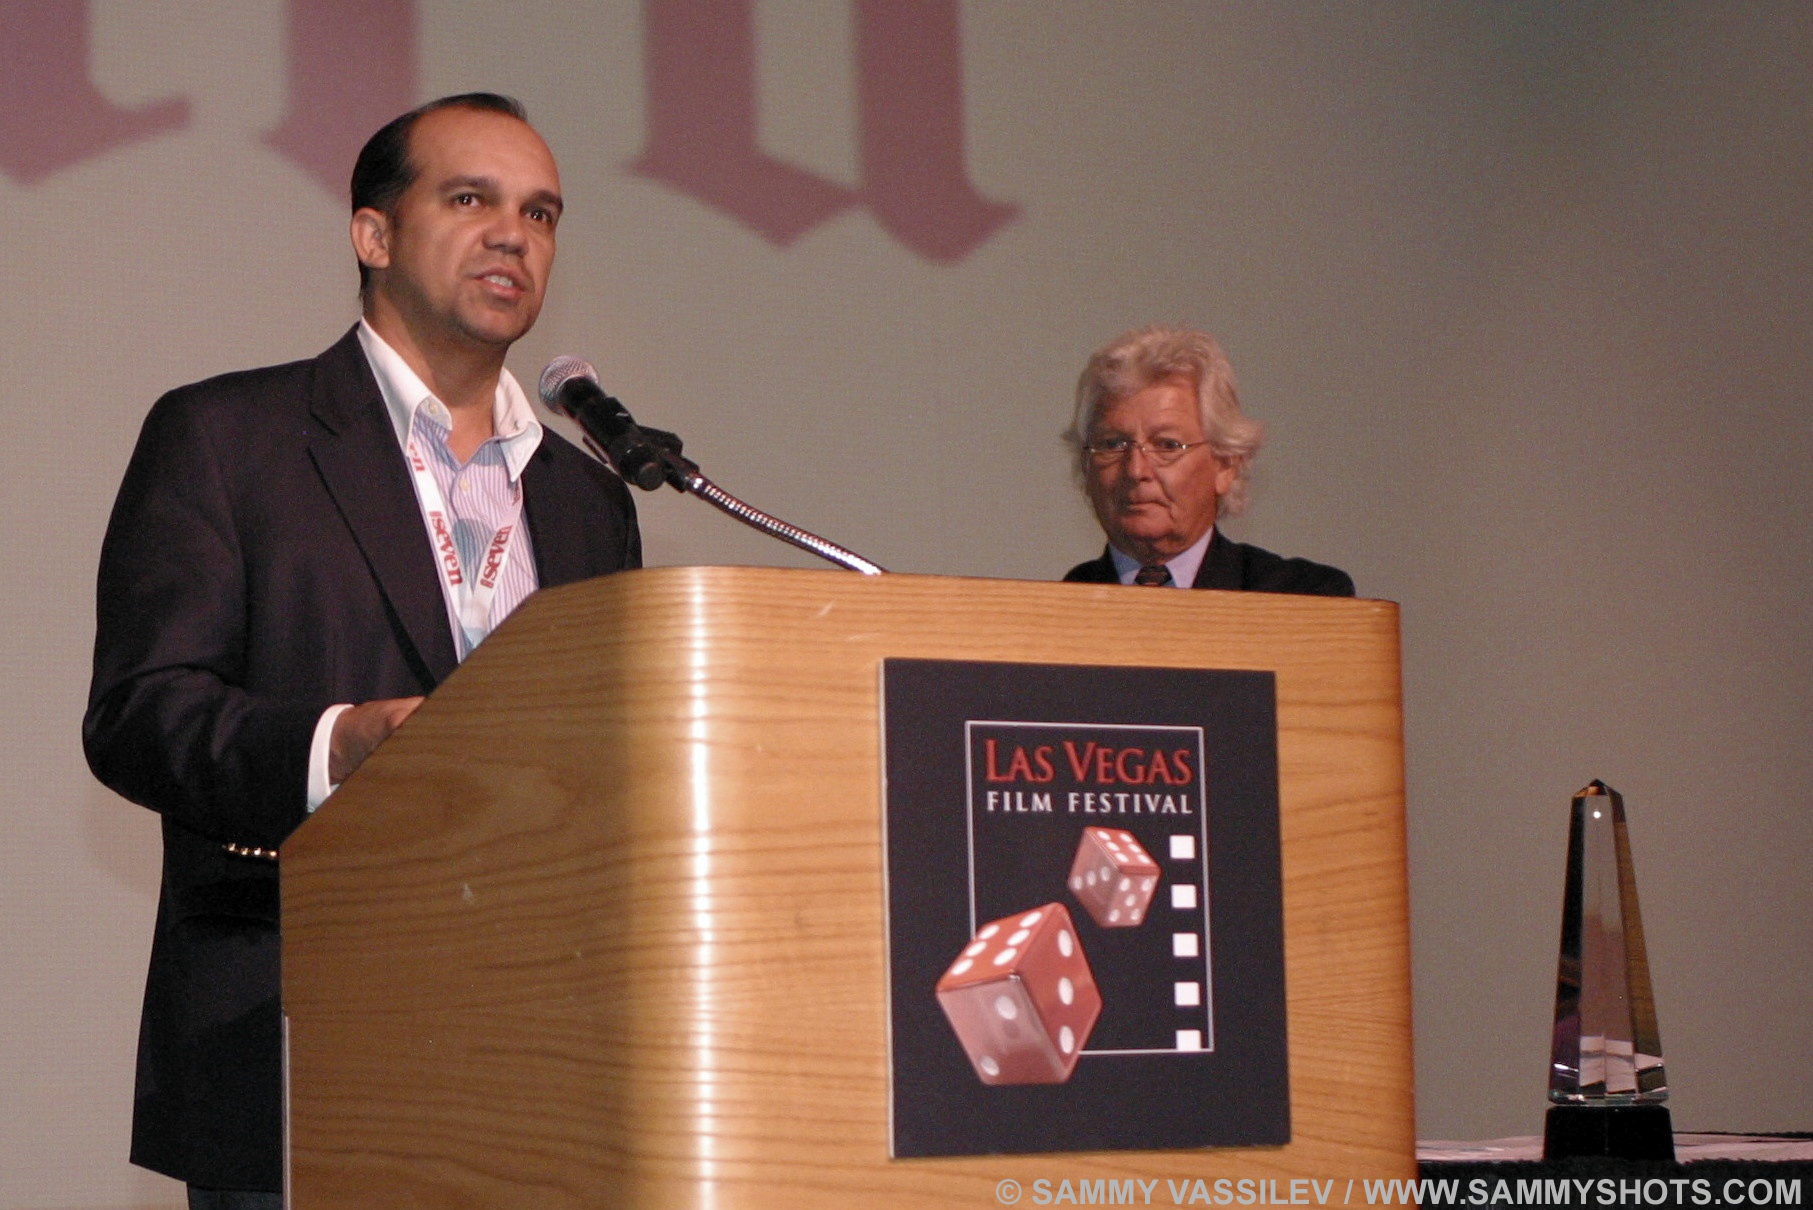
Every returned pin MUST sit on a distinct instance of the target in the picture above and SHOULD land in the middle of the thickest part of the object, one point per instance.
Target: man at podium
(297, 555)
(1165, 451)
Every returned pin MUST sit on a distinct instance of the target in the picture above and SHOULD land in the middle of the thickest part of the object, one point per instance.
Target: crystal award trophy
(1606, 1080)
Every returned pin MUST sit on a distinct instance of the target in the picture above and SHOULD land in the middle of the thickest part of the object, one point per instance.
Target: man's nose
(508, 232)
(1139, 462)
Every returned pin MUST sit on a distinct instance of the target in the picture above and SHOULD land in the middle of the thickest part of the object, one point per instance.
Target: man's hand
(361, 729)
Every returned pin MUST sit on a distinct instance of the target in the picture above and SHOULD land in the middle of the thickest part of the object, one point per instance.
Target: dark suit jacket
(266, 559)
(1237, 567)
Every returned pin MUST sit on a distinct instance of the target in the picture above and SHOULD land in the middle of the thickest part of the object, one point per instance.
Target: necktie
(1153, 575)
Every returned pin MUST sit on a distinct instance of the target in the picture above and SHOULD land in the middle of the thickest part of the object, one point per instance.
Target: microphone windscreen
(561, 371)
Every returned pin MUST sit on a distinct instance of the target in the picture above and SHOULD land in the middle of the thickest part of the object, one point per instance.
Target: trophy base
(1618, 1132)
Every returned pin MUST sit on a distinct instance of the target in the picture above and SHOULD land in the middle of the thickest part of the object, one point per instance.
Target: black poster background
(1131, 1088)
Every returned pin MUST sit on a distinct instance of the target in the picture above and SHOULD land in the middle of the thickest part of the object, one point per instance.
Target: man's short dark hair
(384, 169)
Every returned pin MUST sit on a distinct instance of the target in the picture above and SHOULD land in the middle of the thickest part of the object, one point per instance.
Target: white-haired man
(1165, 452)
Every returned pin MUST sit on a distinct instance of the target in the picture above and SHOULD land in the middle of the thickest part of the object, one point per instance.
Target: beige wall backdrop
(1521, 291)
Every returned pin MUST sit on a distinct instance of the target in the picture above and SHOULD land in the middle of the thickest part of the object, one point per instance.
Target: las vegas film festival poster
(1084, 914)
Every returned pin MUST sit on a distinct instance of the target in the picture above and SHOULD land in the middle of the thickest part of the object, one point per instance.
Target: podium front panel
(603, 924)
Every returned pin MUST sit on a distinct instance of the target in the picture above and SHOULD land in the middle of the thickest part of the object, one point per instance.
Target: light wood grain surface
(603, 924)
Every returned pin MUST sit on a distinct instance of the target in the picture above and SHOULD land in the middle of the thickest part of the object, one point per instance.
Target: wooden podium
(603, 925)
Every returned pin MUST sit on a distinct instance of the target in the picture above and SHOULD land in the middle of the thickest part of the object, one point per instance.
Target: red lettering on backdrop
(700, 94)
(350, 68)
(702, 130)
(51, 114)
(910, 98)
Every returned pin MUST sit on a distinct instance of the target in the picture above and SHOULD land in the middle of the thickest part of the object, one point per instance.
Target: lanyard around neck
(471, 595)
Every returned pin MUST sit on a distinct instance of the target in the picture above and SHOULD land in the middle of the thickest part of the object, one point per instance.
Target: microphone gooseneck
(650, 457)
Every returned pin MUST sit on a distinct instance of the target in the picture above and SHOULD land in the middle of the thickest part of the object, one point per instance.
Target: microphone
(570, 387)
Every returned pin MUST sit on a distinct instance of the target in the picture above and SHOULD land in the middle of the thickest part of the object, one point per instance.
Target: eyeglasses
(1162, 451)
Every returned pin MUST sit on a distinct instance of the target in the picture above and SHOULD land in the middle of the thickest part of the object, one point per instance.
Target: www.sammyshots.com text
(1477, 1191)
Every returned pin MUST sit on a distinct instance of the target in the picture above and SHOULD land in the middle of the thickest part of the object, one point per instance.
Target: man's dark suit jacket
(1237, 567)
(266, 559)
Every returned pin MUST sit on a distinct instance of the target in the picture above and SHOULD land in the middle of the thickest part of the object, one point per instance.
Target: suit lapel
(355, 450)
(1221, 565)
(558, 534)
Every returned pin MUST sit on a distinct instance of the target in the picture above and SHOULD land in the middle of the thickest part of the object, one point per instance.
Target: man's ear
(1226, 471)
(371, 238)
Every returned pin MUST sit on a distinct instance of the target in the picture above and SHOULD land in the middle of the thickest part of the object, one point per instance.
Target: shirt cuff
(318, 753)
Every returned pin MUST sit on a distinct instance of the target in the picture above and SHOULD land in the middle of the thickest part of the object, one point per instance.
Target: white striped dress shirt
(480, 495)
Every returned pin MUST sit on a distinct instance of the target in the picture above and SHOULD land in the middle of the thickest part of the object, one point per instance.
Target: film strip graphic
(1180, 910)
(1089, 899)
